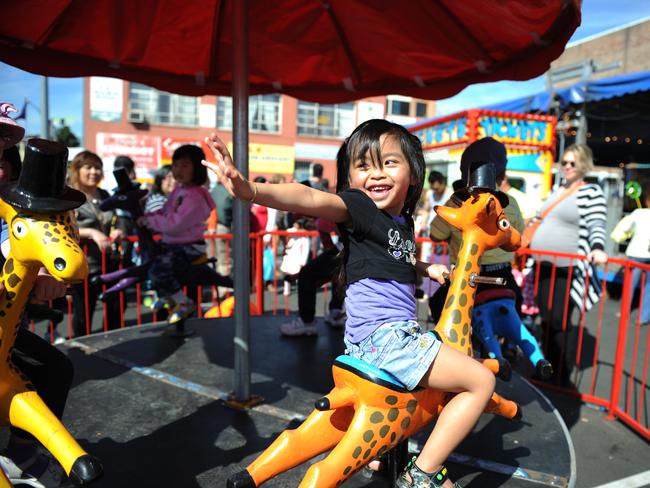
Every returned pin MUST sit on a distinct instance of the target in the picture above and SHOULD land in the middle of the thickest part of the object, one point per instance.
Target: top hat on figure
(41, 186)
(480, 165)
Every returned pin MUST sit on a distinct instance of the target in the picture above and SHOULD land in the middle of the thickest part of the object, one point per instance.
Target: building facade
(286, 135)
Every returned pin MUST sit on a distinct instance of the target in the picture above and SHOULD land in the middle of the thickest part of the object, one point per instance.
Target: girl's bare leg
(474, 384)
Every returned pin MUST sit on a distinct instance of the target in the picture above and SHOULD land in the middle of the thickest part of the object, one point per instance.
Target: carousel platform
(151, 407)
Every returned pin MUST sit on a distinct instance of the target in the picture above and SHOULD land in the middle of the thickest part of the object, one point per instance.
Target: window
(263, 113)
(398, 107)
(147, 104)
(315, 119)
(301, 170)
(420, 109)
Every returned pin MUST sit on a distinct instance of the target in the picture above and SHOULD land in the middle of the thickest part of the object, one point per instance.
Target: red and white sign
(169, 144)
(144, 150)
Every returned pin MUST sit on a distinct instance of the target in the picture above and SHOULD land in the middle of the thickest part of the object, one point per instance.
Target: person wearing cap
(24, 460)
(495, 311)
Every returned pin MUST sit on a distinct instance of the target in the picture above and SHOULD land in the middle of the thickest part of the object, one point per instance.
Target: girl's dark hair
(12, 156)
(196, 155)
(158, 178)
(365, 139)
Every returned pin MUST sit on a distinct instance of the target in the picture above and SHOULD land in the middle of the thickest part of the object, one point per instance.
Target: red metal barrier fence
(610, 365)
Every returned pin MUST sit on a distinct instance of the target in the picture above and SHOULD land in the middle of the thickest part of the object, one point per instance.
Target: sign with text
(448, 132)
(105, 99)
(144, 150)
(514, 130)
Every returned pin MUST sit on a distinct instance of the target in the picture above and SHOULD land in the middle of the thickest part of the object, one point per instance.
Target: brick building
(286, 135)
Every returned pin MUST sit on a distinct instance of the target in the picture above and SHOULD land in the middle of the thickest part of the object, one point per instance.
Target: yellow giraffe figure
(369, 412)
(42, 232)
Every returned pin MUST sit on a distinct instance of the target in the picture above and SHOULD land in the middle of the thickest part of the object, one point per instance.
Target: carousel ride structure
(369, 412)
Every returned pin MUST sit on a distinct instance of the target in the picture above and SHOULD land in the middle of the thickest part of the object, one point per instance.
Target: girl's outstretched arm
(292, 197)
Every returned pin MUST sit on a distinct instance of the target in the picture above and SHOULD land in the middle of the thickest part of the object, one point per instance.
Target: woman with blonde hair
(574, 218)
(97, 234)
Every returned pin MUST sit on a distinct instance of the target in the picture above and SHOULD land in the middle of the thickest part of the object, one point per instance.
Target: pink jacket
(182, 220)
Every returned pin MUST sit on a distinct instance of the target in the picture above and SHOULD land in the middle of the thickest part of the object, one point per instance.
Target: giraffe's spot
(391, 399)
(366, 454)
(450, 301)
(2, 313)
(473, 250)
(393, 436)
(381, 450)
(468, 266)
(356, 452)
(13, 280)
(347, 470)
(411, 406)
(46, 226)
(392, 415)
(10, 295)
(384, 431)
(56, 231)
(358, 463)
(463, 284)
(465, 328)
(462, 342)
(453, 336)
(9, 266)
(456, 316)
(48, 233)
(469, 351)
(376, 417)
(55, 239)
(373, 443)
(368, 435)
(462, 300)
(405, 423)
(8, 305)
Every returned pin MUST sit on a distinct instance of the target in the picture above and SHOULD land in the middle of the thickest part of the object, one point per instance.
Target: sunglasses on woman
(571, 164)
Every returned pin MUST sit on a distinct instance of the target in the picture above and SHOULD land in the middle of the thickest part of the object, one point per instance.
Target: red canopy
(318, 50)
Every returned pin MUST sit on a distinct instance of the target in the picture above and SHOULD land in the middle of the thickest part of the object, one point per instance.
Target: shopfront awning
(581, 92)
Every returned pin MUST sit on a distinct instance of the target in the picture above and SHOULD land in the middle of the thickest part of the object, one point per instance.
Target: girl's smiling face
(386, 181)
(183, 171)
(90, 175)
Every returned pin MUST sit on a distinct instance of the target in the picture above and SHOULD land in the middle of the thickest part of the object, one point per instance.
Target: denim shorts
(400, 348)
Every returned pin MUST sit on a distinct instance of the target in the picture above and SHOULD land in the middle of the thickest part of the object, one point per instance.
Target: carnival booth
(529, 140)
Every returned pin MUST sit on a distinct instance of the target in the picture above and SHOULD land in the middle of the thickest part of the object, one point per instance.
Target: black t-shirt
(379, 246)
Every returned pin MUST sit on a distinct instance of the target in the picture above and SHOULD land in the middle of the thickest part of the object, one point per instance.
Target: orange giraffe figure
(368, 412)
(49, 240)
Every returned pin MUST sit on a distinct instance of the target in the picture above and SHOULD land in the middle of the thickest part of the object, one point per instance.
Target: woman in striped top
(575, 225)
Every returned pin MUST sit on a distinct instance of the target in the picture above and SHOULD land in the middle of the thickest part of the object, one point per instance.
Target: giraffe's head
(49, 239)
(481, 218)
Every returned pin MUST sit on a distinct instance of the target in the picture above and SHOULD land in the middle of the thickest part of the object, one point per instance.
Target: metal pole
(241, 241)
(45, 109)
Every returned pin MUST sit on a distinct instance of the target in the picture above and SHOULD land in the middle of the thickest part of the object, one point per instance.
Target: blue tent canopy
(581, 92)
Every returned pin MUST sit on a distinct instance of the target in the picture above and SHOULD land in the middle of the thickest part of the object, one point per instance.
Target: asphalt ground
(150, 406)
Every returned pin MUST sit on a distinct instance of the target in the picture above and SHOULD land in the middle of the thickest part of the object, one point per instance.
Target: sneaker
(297, 327)
(336, 318)
(181, 311)
(420, 479)
(39, 471)
(544, 369)
(160, 304)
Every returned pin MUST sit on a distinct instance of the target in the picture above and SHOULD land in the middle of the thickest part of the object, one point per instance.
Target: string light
(607, 139)
(627, 139)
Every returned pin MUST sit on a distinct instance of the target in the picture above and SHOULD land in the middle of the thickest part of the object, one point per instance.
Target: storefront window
(315, 119)
(149, 105)
(263, 113)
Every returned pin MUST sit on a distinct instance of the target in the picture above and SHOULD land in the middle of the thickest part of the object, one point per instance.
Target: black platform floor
(150, 407)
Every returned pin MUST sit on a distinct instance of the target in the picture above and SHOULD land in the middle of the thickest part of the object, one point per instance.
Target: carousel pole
(241, 240)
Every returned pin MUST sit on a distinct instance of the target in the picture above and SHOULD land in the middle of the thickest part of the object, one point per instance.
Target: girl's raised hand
(226, 172)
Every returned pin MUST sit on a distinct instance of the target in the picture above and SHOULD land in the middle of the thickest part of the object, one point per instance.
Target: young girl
(380, 175)
(296, 254)
(182, 223)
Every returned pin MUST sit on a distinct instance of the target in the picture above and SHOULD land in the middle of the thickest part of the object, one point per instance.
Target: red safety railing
(610, 367)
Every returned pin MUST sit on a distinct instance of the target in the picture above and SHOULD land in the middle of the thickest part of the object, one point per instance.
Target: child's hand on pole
(227, 173)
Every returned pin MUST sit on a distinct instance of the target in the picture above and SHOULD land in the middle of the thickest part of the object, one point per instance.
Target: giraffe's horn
(338, 397)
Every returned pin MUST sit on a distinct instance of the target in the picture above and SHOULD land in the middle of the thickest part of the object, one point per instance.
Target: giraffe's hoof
(322, 404)
(505, 370)
(241, 480)
(85, 470)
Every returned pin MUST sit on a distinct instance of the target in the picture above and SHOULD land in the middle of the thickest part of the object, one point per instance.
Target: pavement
(151, 406)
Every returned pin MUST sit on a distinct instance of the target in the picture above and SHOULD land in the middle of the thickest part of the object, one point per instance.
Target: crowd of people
(380, 203)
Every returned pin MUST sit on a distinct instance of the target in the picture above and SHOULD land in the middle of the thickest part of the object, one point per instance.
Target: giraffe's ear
(490, 206)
